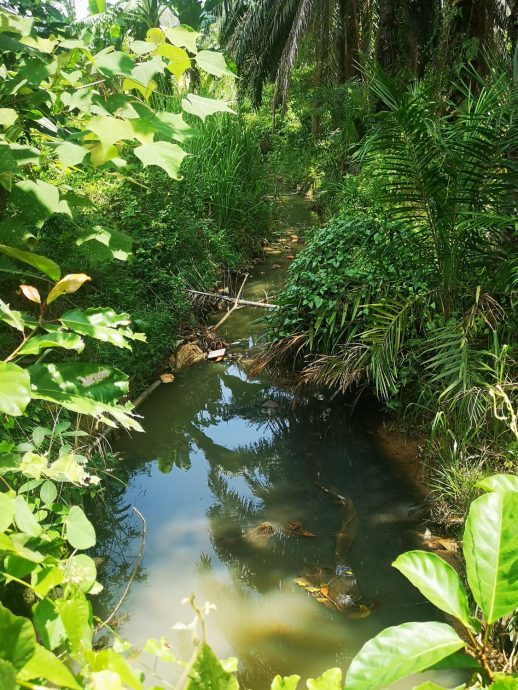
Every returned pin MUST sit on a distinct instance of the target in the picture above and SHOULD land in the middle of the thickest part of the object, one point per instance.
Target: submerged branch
(234, 300)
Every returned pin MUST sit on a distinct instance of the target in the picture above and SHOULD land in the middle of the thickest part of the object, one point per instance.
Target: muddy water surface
(223, 454)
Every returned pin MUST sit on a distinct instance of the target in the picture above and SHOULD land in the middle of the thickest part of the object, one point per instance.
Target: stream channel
(223, 454)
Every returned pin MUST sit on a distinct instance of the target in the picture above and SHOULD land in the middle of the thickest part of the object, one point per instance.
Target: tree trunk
(349, 40)
(387, 48)
(477, 20)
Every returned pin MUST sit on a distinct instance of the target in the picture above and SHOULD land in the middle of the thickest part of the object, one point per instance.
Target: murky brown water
(223, 454)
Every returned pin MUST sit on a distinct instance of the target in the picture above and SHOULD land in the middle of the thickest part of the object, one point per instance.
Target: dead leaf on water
(166, 378)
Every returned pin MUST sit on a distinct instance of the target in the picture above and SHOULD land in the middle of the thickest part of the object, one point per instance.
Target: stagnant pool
(223, 455)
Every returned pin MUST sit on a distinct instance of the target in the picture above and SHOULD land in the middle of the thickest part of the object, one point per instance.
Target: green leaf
(13, 23)
(109, 660)
(46, 666)
(459, 660)
(144, 72)
(6, 511)
(25, 155)
(70, 154)
(79, 531)
(47, 266)
(76, 616)
(101, 324)
(7, 675)
(437, 581)
(179, 60)
(203, 107)
(48, 492)
(183, 37)
(213, 63)
(400, 651)
(118, 243)
(67, 341)
(15, 389)
(207, 673)
(37, 201)
(13, 318)
(330, 680)
(167, 156)
(48, 624)
(81, 571)
(46, 579)
(491, 553)
(499, 482)
(17, 639)
(25, 519)
(114, 64)
(8, 117)
(285, 682)
(96, 6)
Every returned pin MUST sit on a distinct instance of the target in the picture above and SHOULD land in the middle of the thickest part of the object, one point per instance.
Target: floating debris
(217, 355)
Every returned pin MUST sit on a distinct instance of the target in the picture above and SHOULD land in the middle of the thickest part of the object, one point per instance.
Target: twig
(138, 561)
(143, 396)
(222, 321)
(242, 302)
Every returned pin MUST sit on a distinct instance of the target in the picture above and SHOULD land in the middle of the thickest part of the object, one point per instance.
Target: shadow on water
(222, 455)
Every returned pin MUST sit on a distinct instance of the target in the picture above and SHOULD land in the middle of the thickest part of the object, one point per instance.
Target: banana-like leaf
(400, 651)
(491, 553)
(437, 581)
(498, 482)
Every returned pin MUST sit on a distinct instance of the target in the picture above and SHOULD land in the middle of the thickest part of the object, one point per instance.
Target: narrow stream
(223, 454)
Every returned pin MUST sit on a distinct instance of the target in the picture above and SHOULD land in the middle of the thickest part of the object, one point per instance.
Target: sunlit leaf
(114, 64)
(38, 200)
(329, 680)
(491, 553)
(213, 63)
(11, 317)
(46, 666)
(207, 672)
(6, 511)
(31, 293)
(15, 389)
(118, 243)
(400, 651)
(67, 341)
(80, 570)
(79, 531)
(101, 324)
(165, 155)
(437, 581)
(67, 285)
(42, 263)
(48, 492)
(285, 682)
(8, 117)
(203, 107)
(183, 37)
(70, 154)
(25, 519)
(76, 616)
(499, 482)
(17, 639)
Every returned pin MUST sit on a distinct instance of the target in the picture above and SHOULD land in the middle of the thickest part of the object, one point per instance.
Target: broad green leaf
(213, 63)
(25, 519)
(76, 616)
(146, 91)
(400, 651)
(37, 201)
(437, 581)
(167, 156)
(15, 24)
(96, 6)
(109, 660)
(33, 465)
(285, 682)
(43, 45)
(15, 389)
(7, 675)
(505, 681)
(80, 570)
(459, 660)
(68, 341)
(101, 324)
(330, 680)
(79, 531)
(178, 60)
(499, 482)
(144, 72)
(48, 492)
(48, 624)
(491, 553)
(428, 685)
(8, 117)
(44, 580)
(25, 155)
(207, 672)
(13, 318)
(183, 37)
(203, 107)
(118, 243)
(67, 285)
(46, 666)
(47, 266)
(155, 36)
(110, 129)
(114, 64)
(70, 154)
(17, 639)
(6, 511)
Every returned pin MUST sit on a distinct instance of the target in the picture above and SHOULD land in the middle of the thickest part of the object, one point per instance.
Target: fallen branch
(236, 303)
(241, 302)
